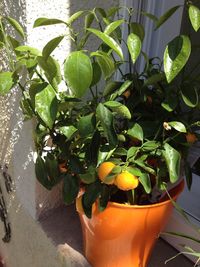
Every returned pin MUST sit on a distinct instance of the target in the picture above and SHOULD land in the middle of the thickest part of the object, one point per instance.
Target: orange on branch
(126, 181)
(104, 170)
(191, 138)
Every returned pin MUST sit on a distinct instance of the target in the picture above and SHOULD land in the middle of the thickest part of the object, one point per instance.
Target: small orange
(126, 181)
(104, 170)
(191, 138)
(62, 167)
(127, 94)
(149, 100)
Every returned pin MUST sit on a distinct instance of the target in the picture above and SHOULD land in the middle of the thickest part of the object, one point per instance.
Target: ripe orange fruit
(126, 181)
(127, 93)
(62, 167)
(191, 138)
(104, 169)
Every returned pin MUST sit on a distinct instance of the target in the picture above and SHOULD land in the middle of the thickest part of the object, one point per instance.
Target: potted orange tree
(118, 149)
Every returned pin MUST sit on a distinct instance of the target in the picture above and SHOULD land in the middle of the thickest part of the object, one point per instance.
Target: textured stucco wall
(29, 246)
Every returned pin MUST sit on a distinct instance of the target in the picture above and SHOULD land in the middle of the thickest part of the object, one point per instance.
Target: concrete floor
(63, 226)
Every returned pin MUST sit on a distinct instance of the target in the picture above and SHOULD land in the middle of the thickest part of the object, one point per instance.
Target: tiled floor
(62, 226)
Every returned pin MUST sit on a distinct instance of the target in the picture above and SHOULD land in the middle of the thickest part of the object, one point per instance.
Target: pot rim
(174, 192)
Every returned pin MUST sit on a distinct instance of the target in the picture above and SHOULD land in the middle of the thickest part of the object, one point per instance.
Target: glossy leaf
(89, 18)
(166, 16)
(124, 86)
(74, 17)
(158, 77)
(96, 73)
(134, 46)
(89, 197)
(70, 188)
(104, 197)
(106, 118)
(108, 40)
(136, 132)
(105, 62)
(194, 15)
(45, 21)
(111, 87)
(176, 56)
(91, 154)
(119, 108)
(46, 105)
(28, 49)
(113, 26)
(188, 174)
(150, 16)
(150, 145)
(52, 169)
(170, 102)
(50, 46)
(41, 173)
(6, 82)
(133, 170)
(177, 125)
(16, 25)
(132, 152)
(190, 95)
(90, 176)
(172, 158)
(51, 69)
(137, 29)
(78, 73)
(68, 131)
(146, 182)
(86, 125)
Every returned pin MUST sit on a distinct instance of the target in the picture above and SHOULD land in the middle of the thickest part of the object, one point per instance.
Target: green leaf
(86, 125)
(16, 25)
(6, 82)
(176, 56)
(150, 16)
(70, 188)
(111, 87)
(106, 118)
(104, 197)
(52, 169)
(119, 108)
(133, 170)
(51, 69)
(46, 105)
(158, 77)
(89, 197)
(166, 16)
(132, 152)
(45, 21)
(74, 17)
(170, 102)
(41, 173)
(179, 126)
(137, 29)
(89, 18)
(120, 151)
(113, 26)
(50, 46)
(124, 86)
(172, 159)
(136, 132)
(78, 72)
(90, 176)
(194, 15)
(190, 95)
(91, 154)
(146, 182)
(108, 40)
(28, 49)
(96, 73)
(188, 174)
(150, 145)
(134, 46)
(26, 109)
(105, 62)
(68, 131)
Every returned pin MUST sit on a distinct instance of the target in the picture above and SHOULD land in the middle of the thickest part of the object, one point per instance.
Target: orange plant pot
(124, 235)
